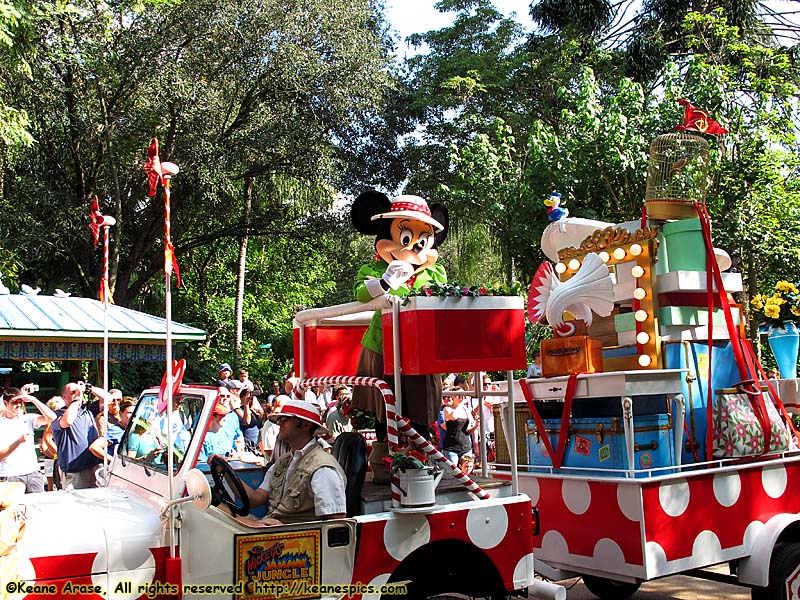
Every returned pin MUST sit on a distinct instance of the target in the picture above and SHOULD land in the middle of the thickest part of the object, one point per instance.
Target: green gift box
(681, 247)
(693, 316)
(624, 322)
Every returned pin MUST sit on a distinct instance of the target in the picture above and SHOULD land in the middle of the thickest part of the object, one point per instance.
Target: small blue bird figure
(555, 211)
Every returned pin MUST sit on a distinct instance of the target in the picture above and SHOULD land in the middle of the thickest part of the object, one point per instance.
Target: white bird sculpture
(27, 290)
(4, 291)
(61, 294)
(589, 291)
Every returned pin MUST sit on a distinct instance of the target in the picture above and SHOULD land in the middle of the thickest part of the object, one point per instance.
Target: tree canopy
(279, 112)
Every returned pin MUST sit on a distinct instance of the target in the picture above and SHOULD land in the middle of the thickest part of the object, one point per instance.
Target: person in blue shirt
(230, 400)
(109, 442)
(217, 440)
(141, 442)
(74, 431)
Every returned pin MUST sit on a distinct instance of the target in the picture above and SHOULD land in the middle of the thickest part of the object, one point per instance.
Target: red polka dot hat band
(412, 207)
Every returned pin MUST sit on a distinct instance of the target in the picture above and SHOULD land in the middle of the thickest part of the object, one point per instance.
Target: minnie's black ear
(366, 206)
(439, 212)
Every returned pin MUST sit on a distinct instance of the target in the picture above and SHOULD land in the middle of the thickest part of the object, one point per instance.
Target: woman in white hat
(306, 484)
(18, 460)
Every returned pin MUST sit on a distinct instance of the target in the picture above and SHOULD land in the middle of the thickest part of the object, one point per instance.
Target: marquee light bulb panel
(630, 256)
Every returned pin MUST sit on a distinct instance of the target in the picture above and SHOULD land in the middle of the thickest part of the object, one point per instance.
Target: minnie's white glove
(397, 273)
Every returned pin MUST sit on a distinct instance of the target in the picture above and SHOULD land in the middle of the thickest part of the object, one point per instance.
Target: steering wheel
(228, 489)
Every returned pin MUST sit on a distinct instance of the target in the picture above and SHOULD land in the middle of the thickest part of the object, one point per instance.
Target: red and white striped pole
(395, 424)
(108, 222)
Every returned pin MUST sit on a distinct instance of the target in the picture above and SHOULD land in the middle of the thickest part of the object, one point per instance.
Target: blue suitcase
(596, 446)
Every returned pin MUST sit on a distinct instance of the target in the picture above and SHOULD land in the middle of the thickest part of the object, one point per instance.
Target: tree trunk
(248, 199)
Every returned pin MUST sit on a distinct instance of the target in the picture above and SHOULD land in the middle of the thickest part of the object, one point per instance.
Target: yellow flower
(795, 311)
(772, 311)
(784, 286)
(757, 302)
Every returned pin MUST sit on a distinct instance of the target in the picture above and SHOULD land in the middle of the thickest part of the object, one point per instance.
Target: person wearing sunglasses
(217, 442)
(304, 484)
(18, 460)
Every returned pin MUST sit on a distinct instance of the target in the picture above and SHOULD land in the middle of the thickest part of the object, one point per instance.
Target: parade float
(655, 444)
(156, 528)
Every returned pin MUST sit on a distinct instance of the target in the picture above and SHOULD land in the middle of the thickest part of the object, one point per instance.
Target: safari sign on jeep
(149, 533)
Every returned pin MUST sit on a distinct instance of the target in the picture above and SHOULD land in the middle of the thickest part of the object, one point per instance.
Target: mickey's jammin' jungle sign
(273, 566)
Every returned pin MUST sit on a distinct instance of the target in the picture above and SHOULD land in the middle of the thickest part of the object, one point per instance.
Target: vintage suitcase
(693, 356)
(576, 354)
(598, 444)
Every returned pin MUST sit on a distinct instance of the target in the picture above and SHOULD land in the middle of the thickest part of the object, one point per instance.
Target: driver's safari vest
(294, 502)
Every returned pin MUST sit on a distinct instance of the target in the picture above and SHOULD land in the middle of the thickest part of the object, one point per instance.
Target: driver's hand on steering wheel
(211, 457)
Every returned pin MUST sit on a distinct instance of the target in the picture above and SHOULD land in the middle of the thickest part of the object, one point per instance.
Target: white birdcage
(677, 176)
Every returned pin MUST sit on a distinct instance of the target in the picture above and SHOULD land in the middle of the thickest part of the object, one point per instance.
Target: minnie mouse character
(407, 234)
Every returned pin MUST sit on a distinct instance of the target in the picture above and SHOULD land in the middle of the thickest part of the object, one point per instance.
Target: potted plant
(780, 312)
(418, 480)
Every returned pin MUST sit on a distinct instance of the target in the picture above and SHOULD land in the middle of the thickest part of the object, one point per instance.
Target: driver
(306, 484)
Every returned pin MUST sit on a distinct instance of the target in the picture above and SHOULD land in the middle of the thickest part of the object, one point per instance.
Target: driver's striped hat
(301, 409)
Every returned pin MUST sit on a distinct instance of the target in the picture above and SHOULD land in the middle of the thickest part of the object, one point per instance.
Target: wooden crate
(521, 414)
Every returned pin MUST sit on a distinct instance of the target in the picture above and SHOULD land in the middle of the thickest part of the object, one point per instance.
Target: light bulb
(574, 264)
(642, 337)
(619, 253)
(604, 256)
(637, 271)
(640, 315)
(561, 267)
(645, 360)
(639, 293)
(635, 249)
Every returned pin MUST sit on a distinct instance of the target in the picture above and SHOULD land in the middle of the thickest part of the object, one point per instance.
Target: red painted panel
(330, 350)
(459, 340)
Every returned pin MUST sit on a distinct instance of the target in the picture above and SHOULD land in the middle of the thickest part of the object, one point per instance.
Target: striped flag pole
(96, 220)
(106, 227)
(158, 172)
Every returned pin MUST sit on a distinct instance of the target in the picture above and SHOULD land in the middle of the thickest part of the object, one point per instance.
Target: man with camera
(74, 430)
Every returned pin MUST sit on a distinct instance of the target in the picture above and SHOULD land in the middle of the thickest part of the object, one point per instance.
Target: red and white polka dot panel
(502, 529)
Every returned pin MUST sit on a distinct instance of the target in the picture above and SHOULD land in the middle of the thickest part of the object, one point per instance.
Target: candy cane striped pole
(431, 450)
(392, 420)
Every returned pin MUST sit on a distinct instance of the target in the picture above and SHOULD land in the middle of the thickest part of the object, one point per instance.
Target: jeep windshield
(145, 440)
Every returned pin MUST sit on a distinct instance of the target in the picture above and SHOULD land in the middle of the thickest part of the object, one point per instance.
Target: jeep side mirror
(198, 489)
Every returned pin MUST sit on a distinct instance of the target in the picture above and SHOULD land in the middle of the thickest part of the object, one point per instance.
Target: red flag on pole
(153, 168)
(696, 119)
(163, 172)
(95, 219)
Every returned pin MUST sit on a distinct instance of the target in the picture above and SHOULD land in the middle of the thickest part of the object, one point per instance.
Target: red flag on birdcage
(696, 119)
(95, 219)
(158, 172)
